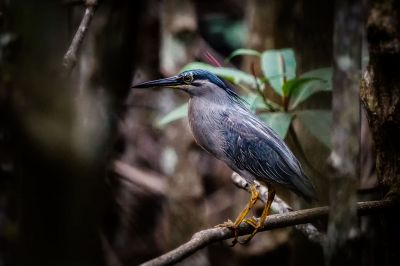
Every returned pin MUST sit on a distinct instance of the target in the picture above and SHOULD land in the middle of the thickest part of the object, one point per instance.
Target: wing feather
(256, 148)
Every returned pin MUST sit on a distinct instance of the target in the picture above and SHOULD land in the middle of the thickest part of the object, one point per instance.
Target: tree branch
(206, 237)
(70, 56)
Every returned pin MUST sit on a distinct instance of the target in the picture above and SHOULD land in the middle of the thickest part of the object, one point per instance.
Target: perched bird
(222, 125)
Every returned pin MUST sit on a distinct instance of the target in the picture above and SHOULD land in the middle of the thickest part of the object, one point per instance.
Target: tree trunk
(380, 94)
(380, 90)
(344, 158)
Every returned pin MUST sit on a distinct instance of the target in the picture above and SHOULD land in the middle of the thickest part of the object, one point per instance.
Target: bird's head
(196, 82)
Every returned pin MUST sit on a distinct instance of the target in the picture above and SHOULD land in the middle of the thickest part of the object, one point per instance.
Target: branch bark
(206, 237)
(70, 56)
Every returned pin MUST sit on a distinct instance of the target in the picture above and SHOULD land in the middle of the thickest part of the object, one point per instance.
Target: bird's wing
(256, 148)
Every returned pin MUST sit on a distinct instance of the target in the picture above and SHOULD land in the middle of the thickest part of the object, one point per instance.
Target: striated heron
(222, 125)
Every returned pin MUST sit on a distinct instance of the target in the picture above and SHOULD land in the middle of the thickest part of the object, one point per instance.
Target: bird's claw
(231, 225)
(251, 221)
(255, 223)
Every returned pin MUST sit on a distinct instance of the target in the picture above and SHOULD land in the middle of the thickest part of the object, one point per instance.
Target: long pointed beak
(167, 82)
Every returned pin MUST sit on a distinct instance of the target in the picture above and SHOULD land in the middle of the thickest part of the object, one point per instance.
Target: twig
(206, 237)
(202, 50)
(150, 182)
(70, 56)
(261, 92)
(253, 72)
(212, 59)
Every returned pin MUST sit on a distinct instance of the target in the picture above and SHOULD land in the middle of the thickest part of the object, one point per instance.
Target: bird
(222, 125)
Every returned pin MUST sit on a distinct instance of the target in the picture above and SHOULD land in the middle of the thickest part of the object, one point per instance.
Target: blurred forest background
(91, 173)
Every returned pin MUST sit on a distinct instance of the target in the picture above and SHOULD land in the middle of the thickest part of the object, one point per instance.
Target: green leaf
(324, 73)
(197, 65)
(242, 51)
(278, 65)
(177, 113)
(256, 102)
(314, 81)
(290, 63)
(252, 101)
(319, 123)
(233, 75)
(292, 85)
(278, 121)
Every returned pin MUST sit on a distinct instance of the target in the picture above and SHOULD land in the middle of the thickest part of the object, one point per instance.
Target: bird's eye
(187, 78)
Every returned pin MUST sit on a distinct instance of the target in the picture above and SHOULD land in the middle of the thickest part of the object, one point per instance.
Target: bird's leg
(254, 193)
(260, 224)
(253, 199)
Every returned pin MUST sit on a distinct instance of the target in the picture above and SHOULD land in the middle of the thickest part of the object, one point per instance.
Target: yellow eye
(187, 78)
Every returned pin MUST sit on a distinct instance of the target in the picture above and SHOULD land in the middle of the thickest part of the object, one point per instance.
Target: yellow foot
(254, 193)
(231, 225)
(251, 221)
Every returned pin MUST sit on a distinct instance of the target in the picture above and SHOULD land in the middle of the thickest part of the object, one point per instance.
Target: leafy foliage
(278, 66)
(279, 70)
(279, 121)
(242, 51)
(315, 81)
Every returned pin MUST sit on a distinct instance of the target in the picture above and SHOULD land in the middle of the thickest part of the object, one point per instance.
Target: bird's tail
(305, 188)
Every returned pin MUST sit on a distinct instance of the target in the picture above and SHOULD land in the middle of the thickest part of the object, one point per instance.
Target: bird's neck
(217, 97)
(204, 111)
(206, 104)
(204, 120)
